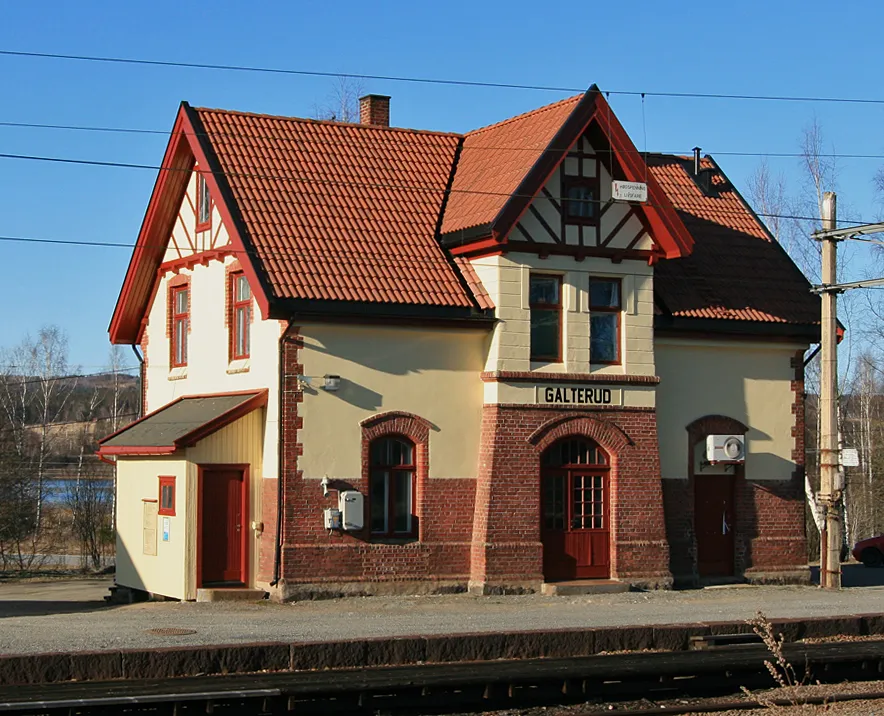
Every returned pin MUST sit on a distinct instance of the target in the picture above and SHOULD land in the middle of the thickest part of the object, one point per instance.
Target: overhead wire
(468, 149)
(426, 80)
(335, 182)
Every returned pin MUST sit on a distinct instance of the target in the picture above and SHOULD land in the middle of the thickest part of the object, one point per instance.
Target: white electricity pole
(830, 491)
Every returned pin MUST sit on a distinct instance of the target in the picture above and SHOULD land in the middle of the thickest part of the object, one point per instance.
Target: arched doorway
(575, 510)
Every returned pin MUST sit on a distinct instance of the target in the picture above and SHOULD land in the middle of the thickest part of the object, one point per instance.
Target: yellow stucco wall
(240, 443)
(750, 382)
(208, 369)
(506, 280)
(172, 571)
(163, 573)
(432, 373)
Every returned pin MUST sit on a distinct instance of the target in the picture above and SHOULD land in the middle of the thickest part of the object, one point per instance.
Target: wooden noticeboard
(150, 510)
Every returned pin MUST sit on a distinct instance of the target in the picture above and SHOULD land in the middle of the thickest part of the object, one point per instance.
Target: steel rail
(429, 688)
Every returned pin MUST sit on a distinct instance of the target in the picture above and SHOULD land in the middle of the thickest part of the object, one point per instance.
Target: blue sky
(732, 48)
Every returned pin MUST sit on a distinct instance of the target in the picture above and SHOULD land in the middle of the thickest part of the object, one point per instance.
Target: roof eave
(722, 327)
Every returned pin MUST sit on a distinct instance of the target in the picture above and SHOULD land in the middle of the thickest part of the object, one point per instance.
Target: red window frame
(178, 318)
(570, 182)
(239, 307)
(390, 507)
(616, 310)
(551, 308)
(167, 481)
(203, 203)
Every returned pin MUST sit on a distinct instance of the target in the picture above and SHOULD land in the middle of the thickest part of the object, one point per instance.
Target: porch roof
(181, 423)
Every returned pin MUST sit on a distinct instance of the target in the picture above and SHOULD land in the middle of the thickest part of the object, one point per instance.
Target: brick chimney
(374, 109)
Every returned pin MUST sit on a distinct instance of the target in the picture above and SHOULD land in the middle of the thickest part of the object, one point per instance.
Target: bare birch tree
(342, 102)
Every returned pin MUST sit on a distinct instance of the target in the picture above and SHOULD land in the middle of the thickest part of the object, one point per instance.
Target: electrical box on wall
(332, 518)
(352, 510)
(725, 449)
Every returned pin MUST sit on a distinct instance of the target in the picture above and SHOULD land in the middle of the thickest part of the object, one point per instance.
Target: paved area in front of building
(72, 616)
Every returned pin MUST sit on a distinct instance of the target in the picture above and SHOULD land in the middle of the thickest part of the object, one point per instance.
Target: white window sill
(178, 373)
(238, 366)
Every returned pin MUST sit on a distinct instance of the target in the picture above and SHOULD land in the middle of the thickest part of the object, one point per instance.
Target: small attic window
(580, 200)
(203, 203)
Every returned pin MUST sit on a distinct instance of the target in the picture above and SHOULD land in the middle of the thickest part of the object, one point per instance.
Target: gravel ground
(860, 707)
(71, 616)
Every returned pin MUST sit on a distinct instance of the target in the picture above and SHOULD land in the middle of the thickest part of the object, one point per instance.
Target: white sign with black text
(629, 191)
(582, 395)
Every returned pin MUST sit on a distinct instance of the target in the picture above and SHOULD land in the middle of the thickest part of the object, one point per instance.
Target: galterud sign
(578, 395)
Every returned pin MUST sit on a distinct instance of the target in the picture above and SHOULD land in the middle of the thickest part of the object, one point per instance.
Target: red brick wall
(506, 527)
(310, 555)
(768, 516)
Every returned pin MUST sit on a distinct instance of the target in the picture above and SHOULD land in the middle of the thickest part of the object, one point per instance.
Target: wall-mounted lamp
(332, 382)
(324, 483)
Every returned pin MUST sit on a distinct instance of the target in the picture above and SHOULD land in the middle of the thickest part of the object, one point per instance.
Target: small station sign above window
(633, 191)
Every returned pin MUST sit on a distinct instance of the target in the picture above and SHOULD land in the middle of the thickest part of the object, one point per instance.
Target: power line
(427, 80)
(335, 182)
(466, 149)
(12, 379)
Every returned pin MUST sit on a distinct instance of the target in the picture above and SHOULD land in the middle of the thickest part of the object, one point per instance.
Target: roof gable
(317, 211)
(500, 174)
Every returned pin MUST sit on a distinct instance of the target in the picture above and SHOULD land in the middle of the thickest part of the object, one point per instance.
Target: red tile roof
(736, 270)
(339, 211)
(331, 212)
(495, 159)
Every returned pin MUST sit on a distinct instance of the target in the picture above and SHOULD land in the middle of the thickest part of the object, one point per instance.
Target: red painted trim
(207, 224)
(188, 262)
(176, 317)
(196, 140)
(159, 219)
(669, 231)
(139, 288)
(245, 529)
(547, 307)
(391, 492)
(509, 376)
(489, 243)
(233, 305)
(167, 481)
(617, 311)
(136, 450)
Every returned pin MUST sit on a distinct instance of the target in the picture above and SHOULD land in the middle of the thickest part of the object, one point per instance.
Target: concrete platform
(581, 587)
(229, 594)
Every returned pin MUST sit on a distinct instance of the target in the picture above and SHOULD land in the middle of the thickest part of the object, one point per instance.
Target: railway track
(448, 688)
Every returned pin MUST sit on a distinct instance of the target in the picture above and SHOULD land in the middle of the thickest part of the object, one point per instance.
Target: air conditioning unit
(725, 449)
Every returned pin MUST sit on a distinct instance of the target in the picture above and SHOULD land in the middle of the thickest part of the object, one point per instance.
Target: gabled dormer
(568, 264)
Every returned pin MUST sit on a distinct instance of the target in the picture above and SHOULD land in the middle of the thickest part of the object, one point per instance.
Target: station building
(389, 360)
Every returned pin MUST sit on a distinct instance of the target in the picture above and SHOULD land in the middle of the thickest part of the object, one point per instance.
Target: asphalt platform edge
(170, 662)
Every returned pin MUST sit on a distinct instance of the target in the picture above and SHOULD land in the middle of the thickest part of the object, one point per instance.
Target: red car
(870, 551)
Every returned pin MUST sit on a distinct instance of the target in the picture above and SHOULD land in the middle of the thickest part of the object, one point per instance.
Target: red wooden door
(221, 537)
(713, 524)
(576, 516)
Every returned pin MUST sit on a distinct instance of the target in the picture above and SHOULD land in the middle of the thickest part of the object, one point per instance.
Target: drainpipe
(277, 556)
(141, 374)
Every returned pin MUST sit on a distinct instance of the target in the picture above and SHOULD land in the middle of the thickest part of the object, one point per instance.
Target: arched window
(391, 487)
(574, 451)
